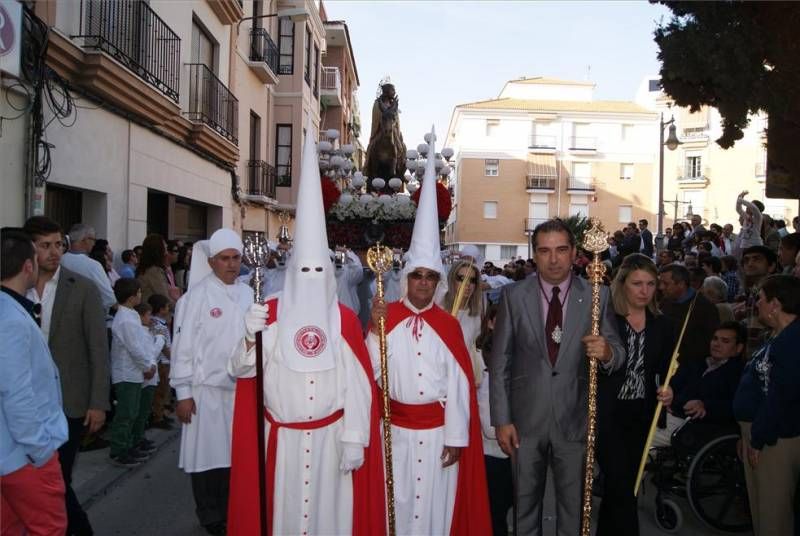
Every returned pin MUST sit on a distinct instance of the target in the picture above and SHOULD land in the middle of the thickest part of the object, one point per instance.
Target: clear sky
(443, 53)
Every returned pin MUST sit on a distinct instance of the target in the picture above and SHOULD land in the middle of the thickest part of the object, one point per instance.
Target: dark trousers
(128, 397)
(78, 521)
(145, 405)
(501, 492)
(622, 434)
(210, 489)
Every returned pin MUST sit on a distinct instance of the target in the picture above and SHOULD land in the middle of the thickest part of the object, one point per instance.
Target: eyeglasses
(430, 276)
(473, 280)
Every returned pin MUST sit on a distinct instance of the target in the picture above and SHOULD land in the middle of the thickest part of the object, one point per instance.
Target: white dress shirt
(47, 299)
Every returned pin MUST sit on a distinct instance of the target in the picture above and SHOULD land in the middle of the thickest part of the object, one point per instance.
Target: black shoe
(125, 460)
(138, 455)
(95, 444)
(146, 447)
(163, 424)
(217, 529)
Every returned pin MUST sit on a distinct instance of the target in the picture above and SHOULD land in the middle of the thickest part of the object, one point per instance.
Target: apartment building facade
(546, 148)
(184, 116)
(702, 178)
(339, 85)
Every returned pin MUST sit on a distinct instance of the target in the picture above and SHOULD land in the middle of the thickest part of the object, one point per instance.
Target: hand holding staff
(595, 242)
(380, 259)
(256, 254)
(673, 367)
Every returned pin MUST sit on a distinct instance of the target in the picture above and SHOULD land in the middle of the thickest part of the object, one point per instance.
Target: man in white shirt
(209, 326)
(82, 239)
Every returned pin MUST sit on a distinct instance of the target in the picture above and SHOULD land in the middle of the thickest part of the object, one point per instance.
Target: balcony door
(203, 47)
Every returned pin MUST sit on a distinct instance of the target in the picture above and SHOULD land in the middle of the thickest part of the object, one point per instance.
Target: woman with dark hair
(627, 398)
(767, 406)
(678, 235)
(181, 268)
(150, 271)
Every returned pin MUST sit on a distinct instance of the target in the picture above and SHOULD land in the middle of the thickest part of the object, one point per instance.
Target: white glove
(255, 320)
(352, 457)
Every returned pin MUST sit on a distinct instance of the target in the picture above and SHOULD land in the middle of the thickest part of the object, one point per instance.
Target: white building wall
(13, 151)
(115, 162)
(546, 92)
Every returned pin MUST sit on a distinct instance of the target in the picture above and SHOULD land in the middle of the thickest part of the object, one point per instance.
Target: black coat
(659, 342)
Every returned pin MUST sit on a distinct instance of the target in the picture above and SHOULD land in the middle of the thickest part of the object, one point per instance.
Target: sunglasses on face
(430, 276)
(473, 280)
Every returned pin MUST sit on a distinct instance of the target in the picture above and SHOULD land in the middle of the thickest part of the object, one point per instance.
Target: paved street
(156, 498)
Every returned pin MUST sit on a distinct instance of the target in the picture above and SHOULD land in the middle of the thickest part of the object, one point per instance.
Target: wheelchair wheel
(716, 488)
(668, 516)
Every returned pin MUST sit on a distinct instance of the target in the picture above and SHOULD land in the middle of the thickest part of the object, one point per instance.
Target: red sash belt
(272, 446)
(417, 416)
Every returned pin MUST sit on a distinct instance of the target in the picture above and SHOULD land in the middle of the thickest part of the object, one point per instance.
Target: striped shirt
(633, 388)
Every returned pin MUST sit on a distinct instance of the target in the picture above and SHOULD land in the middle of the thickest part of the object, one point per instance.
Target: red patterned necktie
(553, 321)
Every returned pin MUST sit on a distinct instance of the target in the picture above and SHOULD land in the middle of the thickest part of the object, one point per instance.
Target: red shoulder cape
(369, 508)
(471, 515)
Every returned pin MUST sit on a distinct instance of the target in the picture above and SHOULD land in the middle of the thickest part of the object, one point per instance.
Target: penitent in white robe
(311, 495)
(423, 371)
(209, 327)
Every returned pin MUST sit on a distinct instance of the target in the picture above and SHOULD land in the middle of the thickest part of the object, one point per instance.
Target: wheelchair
(701, 466)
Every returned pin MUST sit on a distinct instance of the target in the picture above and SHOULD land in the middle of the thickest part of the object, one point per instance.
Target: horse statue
(386, 152)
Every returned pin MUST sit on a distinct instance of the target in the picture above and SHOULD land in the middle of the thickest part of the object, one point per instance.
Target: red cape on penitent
(369, 502)
(471, 515)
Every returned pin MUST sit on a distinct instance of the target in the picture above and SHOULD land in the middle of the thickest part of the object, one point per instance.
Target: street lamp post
(671, 143)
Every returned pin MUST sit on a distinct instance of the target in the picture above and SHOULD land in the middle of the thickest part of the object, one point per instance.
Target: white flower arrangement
(366, 206)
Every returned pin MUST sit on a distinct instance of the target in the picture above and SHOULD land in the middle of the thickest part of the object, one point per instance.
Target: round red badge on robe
(216, 312)
(310, 341)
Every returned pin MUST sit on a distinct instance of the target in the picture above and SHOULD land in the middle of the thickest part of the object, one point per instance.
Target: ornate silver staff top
(256, 256)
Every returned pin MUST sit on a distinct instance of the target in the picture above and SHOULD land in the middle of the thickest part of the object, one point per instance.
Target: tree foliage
(739, 57)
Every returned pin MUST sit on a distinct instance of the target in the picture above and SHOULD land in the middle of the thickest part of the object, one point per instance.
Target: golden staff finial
(594, 241)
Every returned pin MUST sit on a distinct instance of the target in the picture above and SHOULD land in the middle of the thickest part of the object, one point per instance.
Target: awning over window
(542, 165)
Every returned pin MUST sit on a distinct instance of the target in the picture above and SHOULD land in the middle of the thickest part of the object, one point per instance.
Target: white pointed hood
(424, 251)
(309, 323)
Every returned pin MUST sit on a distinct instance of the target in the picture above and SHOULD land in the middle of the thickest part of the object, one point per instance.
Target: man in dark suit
(676, 298)
(646, 248)
(539, 377)
(73, 322)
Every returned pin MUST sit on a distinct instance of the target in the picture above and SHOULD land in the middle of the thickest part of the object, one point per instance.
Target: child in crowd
(140, 443)
(133, 360)
(160, 326)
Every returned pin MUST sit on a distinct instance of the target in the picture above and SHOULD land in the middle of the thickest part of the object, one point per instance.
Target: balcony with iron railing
(261, 181)
(540, 183)
(581, 184)
(331, 86)
(583, 144)
(540, 143)
(134, 35)
(263, 58)
(212, 103)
